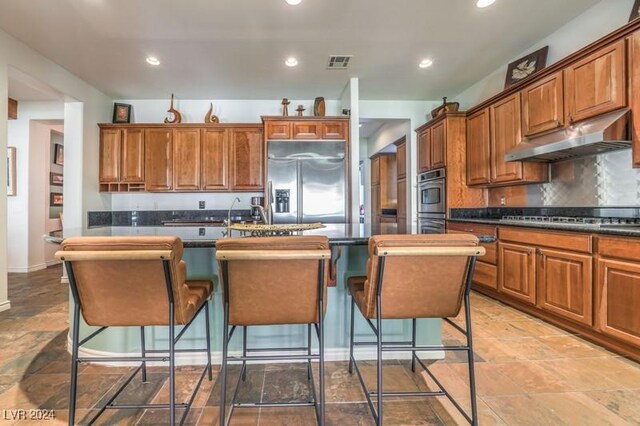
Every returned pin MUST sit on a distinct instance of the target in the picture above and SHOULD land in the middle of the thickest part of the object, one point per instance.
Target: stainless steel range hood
(606, 132)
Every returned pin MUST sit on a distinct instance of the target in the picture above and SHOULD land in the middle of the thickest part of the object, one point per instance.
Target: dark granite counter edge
(620, 231)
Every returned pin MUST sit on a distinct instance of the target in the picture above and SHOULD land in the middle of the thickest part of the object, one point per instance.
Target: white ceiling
(23, 87)
(235, 49)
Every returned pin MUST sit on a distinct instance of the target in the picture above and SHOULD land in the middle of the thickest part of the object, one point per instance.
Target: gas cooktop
(579, 221)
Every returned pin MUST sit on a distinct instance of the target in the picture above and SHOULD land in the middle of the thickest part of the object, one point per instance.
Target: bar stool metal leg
(74, 363)
(244, 353)
(172, 367)
(472, 379)
(413, 343)
(309, 369)
(321, 367)
(379, 364)
(223, 368)
(208, 333)
(351, 336)
(143, 352)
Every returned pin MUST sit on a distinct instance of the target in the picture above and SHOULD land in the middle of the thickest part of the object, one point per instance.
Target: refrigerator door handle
(270, 198)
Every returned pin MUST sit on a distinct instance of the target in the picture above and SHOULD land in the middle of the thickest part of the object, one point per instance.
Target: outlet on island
(503, 200)
(201, 204)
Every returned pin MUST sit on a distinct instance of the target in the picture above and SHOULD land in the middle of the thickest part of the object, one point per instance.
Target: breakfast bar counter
(349, 247)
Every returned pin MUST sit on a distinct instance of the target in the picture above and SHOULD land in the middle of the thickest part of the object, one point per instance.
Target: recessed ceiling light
(293, 2)
(485, 3)
(291, 62)
(360, 125)
(425, 63)
(152, 60)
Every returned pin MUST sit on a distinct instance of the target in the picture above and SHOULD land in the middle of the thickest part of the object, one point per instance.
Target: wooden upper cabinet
(186, 160)
(565, 284)
(401, 159)
(543, 105)
(375, 170)
(306, 130)
(438, 145)
(596, 84)
(335, 130)
(278, 129)
(618, 298)
(505, 135)
(478, 154)
(13, 109)
(517, 271)
(424, 150)
(110, 145)
(158, 159)
(214, 163)
(132, 164)
(247, 159)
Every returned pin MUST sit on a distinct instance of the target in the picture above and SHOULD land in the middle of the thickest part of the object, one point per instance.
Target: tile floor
(528, 373)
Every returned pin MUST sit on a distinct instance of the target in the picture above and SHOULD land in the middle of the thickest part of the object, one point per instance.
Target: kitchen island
(349, 247)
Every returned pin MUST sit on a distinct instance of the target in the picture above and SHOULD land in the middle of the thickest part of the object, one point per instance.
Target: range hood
(603, 133)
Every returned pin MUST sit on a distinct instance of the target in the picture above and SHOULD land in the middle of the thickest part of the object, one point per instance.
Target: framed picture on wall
(58, 154)
(55, 200)
(11, 171)
(56, 178)
(121, 113)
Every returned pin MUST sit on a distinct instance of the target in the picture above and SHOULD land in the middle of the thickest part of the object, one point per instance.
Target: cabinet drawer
(486, 275)
(335, 130)
(474, 228)
(561, 240)
(278, 129)
(307, 130)
(622, 248)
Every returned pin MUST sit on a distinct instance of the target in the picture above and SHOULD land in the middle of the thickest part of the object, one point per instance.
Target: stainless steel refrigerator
(307, 181)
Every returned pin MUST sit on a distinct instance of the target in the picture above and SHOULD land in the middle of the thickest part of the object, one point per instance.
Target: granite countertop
(621, 230)
(339, 234)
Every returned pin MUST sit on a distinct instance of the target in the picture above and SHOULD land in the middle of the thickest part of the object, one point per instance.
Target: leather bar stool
(134, 282)
(410, 277)
(273, 281)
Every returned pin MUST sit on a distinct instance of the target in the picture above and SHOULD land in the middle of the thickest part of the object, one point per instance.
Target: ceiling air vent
(338, 62)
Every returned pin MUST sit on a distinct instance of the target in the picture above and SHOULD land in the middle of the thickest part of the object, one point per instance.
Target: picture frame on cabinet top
(526, 66)
(121, 113)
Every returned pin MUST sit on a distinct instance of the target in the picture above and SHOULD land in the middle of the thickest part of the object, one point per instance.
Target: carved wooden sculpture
(175, 114)
(210, 117)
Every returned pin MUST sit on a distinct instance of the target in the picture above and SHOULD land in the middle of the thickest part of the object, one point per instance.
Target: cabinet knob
(571, 121)
(529, 251)
(557, 123)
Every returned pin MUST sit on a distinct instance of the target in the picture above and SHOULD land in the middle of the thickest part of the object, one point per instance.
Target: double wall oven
(432, 206)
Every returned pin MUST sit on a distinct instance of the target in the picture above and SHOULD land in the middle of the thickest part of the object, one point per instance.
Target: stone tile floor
(527, 372)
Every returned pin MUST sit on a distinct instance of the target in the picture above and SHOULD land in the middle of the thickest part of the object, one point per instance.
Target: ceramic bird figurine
(175, 114)
(210, 117)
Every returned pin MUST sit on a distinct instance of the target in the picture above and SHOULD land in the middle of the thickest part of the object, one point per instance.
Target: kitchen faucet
(233, 203)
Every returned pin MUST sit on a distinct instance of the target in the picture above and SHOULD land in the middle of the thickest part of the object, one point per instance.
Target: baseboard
(5, 306)
(331, 354)
(53, 262)
(32, 268)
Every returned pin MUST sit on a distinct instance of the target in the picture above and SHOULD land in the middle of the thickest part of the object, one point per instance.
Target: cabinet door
(247, 160)
(278, 129)
(424, 150)
(335, 130)
(388, 181)
(505, 135)
(375, 204)
(634, 94)
(215, 160)
(478, 158)
(596, 84)
(401, 158)
(375, 170)
(438, 146)
(132, 165)
(306, 130)
(110, 145)
(617, 312)
(543, 105)
(565, 284)
(517, 275)
(158, 159)
(402, 199)
(186, 160)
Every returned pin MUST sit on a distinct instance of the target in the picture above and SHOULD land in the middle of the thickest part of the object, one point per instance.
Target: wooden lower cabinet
(565, 284)
(618, 290)
(486, 275)
(375, 204)
(517, 271)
